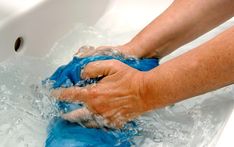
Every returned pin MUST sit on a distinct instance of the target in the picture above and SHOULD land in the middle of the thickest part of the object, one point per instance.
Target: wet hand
(85, 51)
(118, 97)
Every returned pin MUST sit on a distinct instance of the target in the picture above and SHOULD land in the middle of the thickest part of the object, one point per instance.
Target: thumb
(99, 69)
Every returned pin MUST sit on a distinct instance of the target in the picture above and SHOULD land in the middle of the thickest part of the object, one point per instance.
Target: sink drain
(18, 44)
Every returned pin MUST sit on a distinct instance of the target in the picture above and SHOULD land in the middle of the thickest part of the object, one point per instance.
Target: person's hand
(119, 97)
(124, 50)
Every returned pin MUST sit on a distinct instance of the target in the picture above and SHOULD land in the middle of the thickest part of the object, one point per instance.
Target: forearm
(205, 68)
(182, 22)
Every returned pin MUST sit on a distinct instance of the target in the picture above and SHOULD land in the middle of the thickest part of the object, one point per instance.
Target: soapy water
(26, 107)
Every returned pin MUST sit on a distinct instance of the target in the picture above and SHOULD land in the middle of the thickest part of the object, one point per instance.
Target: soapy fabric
(62, 133)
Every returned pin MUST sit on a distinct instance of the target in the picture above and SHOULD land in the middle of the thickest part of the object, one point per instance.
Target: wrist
(131, 49)
(148, 92)
(136, 48)
(156, 90)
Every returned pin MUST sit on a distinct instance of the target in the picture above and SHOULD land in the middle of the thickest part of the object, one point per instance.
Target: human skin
(125, 93)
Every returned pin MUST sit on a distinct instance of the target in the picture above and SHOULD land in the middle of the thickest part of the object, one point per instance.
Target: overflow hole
(18, 44)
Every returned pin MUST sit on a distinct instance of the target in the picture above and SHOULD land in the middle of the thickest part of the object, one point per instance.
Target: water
(26, 107)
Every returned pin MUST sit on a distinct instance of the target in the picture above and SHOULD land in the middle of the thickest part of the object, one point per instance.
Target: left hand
(125, 50)
(118, 97)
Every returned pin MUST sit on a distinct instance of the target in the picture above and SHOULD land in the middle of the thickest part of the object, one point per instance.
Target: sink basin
(51, 30)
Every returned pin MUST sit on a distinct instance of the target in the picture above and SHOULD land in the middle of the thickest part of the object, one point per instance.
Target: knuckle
(88, 67)
(93, 92)
(114, 64)
(84, 74)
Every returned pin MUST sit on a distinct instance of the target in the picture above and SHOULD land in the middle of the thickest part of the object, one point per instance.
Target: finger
(91, 124)
(85, 51)
(78, 115)
(103, 47)
(118, 120)
(83, 117)
(108, 114)
(121, 117)
(72, 94)
(99, 68)
(109, 49)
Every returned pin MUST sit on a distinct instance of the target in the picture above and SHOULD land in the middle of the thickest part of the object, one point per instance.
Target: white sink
(40, 24)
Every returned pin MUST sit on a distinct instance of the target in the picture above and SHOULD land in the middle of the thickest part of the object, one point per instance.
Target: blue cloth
(69, 75)
(62, 133)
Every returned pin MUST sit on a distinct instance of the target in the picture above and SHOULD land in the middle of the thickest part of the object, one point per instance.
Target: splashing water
(26, 107)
